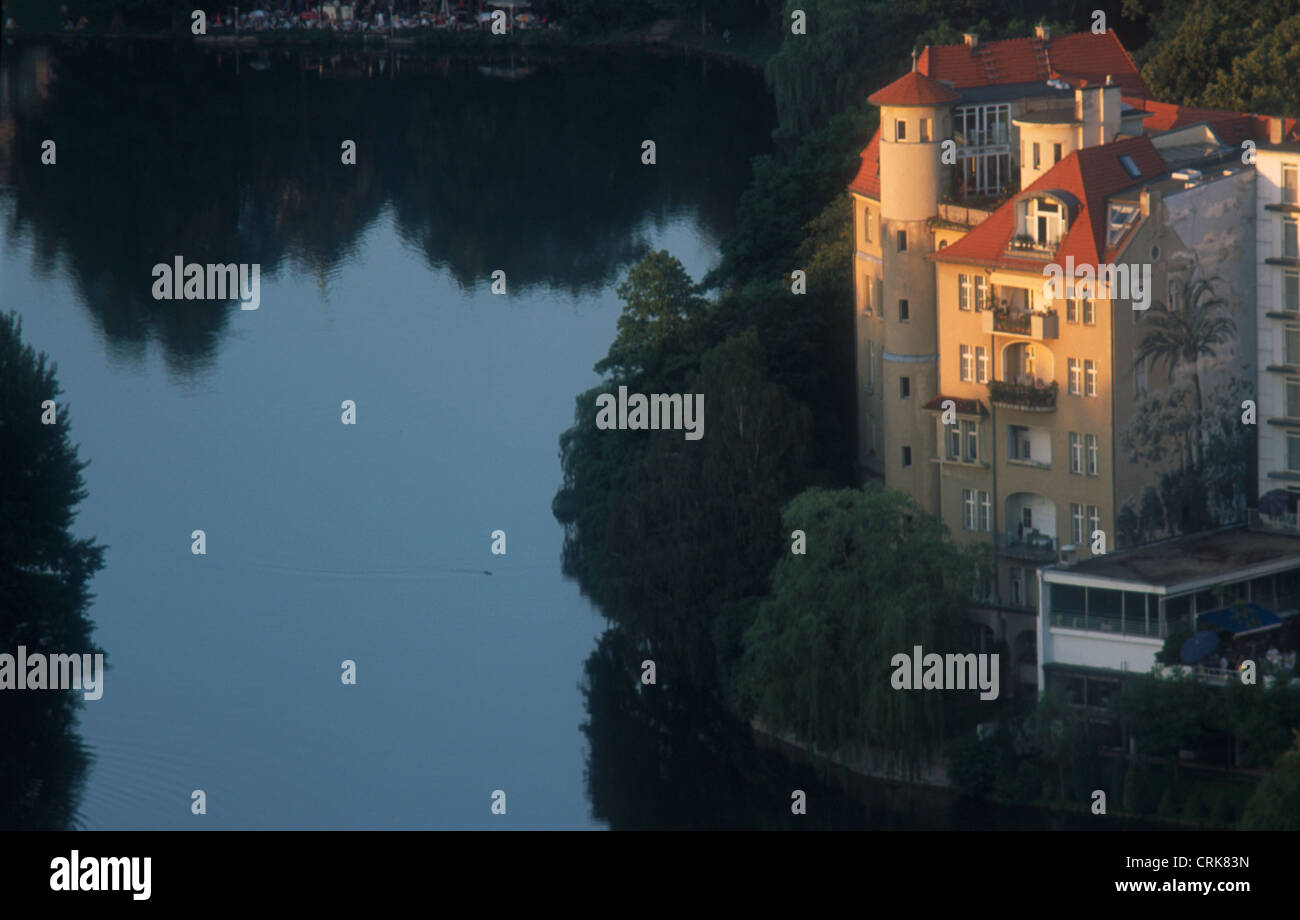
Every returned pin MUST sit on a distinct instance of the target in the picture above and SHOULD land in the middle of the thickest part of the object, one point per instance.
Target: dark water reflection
(369, 543)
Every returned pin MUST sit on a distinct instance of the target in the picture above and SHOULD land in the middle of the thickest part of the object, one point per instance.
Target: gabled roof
(914, 88)
(1079, 58)
(1232, 127)
(867, 181)
(1091, 175)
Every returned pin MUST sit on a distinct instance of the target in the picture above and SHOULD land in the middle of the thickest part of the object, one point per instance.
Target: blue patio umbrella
(1273, 502)
(1198, 647)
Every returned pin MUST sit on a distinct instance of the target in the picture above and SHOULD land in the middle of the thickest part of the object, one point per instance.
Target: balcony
(1034, 397)
(1031, 547)
(1036, 325)
(1024, 245)
(1280, 522)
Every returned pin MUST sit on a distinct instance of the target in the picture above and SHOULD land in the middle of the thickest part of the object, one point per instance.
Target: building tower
(901, 331)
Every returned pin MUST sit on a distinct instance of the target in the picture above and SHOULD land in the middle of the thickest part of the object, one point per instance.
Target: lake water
(328, 542)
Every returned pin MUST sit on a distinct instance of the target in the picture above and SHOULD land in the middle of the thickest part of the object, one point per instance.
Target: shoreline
(751, 50)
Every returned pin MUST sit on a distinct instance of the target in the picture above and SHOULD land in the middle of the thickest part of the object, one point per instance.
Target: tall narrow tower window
(1056, 153)
(904, 313)
(902, 241)
(900, 130)
(904, 387)
(1037, 162)
(925, 129)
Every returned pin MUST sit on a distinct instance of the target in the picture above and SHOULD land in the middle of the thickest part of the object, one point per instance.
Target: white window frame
(1076, 453)
(1092, 455)
(1089, 377)
(966, 365)
(1075, 376)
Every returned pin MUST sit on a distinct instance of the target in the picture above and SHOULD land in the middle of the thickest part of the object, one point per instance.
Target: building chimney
(1042, 32)
(913, 59)
(1275, 130)
(971, 39)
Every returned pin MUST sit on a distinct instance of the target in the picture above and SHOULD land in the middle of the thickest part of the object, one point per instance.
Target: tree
(660, 313)
(880, 577)
(45, 573)
(1183, 334)
(1056, 733)
(1275, 804)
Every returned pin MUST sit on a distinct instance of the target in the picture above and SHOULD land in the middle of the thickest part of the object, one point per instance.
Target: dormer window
(1044, 222)
(1119, 217)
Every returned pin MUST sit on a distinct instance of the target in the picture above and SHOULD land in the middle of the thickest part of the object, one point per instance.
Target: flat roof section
(1185, 562)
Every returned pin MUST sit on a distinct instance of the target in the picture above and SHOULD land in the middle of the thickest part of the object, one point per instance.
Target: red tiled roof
(867, 181)
(913, 88)
(1079, 58)
(1232, 127)
(1091, 175)
(964, 406)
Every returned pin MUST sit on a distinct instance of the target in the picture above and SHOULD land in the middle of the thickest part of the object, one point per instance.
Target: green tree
(45, 574)
(659, 320)
(1056, 734)
(880, 577)
(1275, 804)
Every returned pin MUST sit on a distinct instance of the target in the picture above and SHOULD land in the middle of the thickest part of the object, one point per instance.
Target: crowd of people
(371, 16)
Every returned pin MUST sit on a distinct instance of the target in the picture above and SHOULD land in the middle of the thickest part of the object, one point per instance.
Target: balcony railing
(1031, 546)
(1030, 397)
(1094, 622)
(1273, 523)
(1040, 325)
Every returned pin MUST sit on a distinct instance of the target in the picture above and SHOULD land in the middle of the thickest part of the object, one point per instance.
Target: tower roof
(914, 88)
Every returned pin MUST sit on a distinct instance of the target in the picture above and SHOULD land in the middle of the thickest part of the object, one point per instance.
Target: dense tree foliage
(1275, 806)
(45, 574)
(878, 578)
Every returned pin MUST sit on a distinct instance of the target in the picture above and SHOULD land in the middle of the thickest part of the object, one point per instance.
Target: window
(1037, 163)
(1076, 523)
(963, 292)
(904, 314)
(904, 387)
(1290, 189)
(1291, 292)
(1089, 377)
(902, 241)
(925, 129)
(1031, 361)
(907, 456)
(1076, 453)
(866, 224)
(1071, 310)
(1140, 378)
(983, 136)
(900, 130)
(1093, 454)
(867, 290)
(1089, 312)
(1094, 520)
(954, 442)
(981, 364)
(965, 366)
(1056, 153)
(985, 512)
(1017, 585)
(1076, 379)
(1291, 346)
(1293, 452)
(1290, 249)
(1293, 397)
(981, 293)
(967, 509)
(970, 441)
(1020, 448)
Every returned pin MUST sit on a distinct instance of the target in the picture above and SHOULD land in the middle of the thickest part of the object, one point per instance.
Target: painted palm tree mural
(1181, 334)
(1191, 430)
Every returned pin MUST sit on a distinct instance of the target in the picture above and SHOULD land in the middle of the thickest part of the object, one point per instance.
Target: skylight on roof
(1129, 166)
(1119, 217)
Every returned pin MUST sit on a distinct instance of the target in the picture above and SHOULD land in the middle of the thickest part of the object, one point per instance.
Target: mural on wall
(1190, 429)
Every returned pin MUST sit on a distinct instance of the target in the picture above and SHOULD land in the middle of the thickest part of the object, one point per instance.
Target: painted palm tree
(1183, 334)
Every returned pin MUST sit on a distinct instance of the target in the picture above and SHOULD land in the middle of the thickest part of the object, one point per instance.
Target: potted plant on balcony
(1022, 241)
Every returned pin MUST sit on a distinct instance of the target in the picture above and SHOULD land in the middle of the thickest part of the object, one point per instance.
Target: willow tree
(879, 577)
